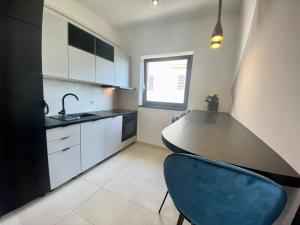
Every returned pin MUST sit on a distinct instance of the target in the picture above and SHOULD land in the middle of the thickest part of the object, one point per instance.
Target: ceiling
(136, 12)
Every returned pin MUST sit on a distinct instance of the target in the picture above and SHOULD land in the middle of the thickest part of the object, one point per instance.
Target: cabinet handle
(65, 149)
(64, 138)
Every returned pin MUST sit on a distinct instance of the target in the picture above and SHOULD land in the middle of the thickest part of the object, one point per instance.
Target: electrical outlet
(92, 102)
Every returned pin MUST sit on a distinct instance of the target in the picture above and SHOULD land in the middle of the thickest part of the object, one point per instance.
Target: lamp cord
(220, 10)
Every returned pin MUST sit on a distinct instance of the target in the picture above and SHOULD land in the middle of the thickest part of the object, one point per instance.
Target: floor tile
(74, 193)
(150, 149)
(147, 167)
(160, 220)
(169, 210)
(10, 219)
(46, 211)
(119, 161)
(73, 219)
(126, 189)
(142, 192)
(136, 151)
(100, 175)
(105, 208)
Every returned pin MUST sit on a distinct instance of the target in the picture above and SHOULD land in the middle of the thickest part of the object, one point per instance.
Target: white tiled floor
(126, 189)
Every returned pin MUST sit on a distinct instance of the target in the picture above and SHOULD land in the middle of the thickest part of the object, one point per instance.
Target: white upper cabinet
(113, 136)
(92, 143)
(70, 52)
(54, 46)
(105, 71)
(122, 69)
(81, 65)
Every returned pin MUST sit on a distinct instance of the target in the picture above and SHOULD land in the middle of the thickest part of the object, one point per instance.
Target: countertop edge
(58, 123)
(281, 179)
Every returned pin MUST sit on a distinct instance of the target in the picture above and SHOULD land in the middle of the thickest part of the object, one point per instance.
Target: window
(167, 82)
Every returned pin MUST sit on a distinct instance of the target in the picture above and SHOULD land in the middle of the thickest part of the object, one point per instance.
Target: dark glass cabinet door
(23, 155)
(80, 39)
(29, 11)
(104, 50)
(20, 45)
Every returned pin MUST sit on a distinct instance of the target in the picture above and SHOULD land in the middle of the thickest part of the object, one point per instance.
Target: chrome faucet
(63, 111)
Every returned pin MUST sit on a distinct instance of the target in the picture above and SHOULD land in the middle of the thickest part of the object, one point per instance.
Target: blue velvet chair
(208, 192)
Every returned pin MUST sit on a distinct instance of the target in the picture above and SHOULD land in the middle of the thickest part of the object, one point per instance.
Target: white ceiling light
(155, 2)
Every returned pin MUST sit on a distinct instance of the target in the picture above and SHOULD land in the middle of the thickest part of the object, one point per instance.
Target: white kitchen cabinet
(54, 46)
(64, 165)
(58, 145)
(92, 143)
(122, 69)
(81, 65)
(105, 71)
(76, 148)
(63, 144)
(113, 135)
(61, 133)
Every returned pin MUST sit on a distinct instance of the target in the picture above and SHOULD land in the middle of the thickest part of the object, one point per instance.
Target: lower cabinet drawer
(61, 144)
(63, 132)
(64, 165)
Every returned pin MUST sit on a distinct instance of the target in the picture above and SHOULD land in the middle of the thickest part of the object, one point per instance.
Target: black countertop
(221, 137)
(51, 123)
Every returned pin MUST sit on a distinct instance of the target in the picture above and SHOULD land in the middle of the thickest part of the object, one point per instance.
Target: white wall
(54, 90)
(267, 88)
(246, 19)
(212, 69)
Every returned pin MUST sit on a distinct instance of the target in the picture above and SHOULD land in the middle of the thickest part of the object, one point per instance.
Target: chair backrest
(210, 192)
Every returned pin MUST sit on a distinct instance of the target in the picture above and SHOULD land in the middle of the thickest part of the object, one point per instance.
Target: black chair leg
(180, 219)
(162, 204)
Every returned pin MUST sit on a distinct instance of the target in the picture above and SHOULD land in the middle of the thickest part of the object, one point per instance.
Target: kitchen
(97, 97)
(79, 62)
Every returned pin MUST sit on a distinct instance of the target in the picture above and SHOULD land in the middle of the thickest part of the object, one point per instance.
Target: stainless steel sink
(73, 117)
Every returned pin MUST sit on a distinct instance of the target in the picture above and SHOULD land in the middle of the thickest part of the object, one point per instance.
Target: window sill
(162, 107)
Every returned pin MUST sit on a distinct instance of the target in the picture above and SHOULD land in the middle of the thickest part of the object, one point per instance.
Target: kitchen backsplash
(91, 98)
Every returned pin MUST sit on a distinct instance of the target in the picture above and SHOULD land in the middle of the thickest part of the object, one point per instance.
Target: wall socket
(92, 102)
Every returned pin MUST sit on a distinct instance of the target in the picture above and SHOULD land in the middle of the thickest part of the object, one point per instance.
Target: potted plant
(212, 103)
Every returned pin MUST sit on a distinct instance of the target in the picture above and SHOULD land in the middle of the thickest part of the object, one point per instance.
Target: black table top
(51, 123)
(221, 137)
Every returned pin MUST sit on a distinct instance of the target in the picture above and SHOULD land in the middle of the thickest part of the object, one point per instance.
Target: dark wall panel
(20, 45)
(23, 160)
(24, 171)
(30, 11)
